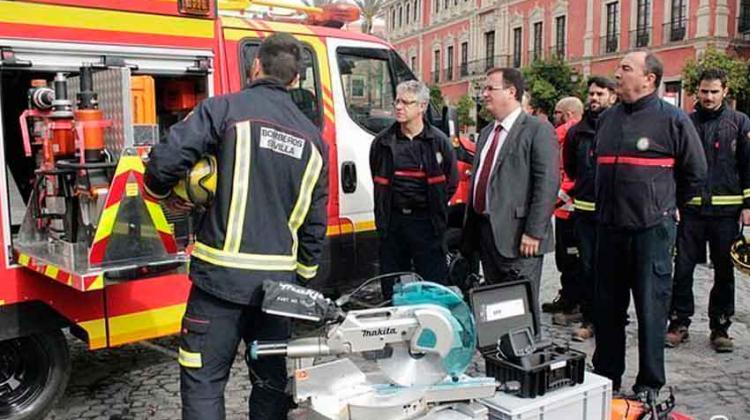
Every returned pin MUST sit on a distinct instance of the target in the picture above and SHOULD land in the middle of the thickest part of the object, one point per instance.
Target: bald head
(639, 74)
(567, 109)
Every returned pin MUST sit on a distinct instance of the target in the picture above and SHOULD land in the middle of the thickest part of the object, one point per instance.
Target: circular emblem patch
(642, 144)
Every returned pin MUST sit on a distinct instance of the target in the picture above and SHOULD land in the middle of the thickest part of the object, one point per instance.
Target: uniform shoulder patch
(281, 142)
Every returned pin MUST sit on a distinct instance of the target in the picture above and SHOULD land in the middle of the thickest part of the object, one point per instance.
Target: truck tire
(34, 372)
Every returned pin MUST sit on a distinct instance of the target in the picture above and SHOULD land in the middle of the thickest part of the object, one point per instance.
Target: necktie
(480, 197)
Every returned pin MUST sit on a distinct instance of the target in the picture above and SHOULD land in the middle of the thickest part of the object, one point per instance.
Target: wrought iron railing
(640, 37)
(675, 31)
(609, 43)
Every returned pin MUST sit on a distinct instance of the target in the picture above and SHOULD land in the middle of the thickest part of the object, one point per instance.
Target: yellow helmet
(740, 254)
(199, 184)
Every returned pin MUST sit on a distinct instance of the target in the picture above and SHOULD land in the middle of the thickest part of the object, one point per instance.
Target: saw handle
(305, 347)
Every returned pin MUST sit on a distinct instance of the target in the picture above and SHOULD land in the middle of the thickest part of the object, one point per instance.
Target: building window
(642, 35)
(673, 93)
(416, 9)
(536, 52)
(675, 29)
(560, 37)
(393, 18)
(446, 3)
(436, 67)
(610, 39)
(517, 42)
(744, 19)
(413, 63)
(408, 12)
(449, 63)
(489, 50)
(436, 9)
(464, 59)
(400, 16)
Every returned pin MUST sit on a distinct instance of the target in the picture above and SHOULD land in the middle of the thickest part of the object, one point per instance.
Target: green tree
(369, 10)
(436, 97)
(464, 107)
(735, 67)
(550, 80)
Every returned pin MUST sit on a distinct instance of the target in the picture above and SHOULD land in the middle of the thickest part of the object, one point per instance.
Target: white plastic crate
(591, 400)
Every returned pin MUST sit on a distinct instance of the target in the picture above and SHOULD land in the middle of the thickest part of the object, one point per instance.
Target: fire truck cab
(86, 87)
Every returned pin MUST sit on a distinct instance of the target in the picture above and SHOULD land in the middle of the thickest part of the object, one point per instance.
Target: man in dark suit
(514, 186)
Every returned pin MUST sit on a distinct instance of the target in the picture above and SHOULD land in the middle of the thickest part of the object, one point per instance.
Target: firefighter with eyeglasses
(714, 215)
(266, 221)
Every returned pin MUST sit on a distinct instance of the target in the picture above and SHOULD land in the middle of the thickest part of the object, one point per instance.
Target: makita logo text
(379, 331)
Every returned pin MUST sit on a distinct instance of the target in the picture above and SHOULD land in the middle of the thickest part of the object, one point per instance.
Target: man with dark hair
(266, 222)
(579, 166)
(414, 173)
(514, 187)
(712, 215)
(648, 161)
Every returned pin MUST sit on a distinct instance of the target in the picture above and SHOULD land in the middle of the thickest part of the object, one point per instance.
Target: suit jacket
(522, 188)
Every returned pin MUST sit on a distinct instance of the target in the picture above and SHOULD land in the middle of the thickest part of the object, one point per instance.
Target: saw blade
(406, 369)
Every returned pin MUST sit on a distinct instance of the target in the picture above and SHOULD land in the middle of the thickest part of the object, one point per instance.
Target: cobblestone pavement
(141, 381)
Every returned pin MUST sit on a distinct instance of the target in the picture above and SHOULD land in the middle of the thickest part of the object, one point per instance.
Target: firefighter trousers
(641, 261)
(211, 331)
(412, 239)
(692, 234)
(585, 225)
(567, 259)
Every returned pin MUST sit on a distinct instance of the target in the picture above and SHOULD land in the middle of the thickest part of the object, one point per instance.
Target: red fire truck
(86, 87)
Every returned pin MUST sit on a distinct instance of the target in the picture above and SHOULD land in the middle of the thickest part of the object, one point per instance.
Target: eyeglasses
(403, 102)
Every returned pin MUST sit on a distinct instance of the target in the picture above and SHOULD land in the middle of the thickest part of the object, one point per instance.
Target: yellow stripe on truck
(26, 13)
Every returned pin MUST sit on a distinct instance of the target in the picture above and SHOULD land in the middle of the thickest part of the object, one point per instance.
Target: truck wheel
(34, 372)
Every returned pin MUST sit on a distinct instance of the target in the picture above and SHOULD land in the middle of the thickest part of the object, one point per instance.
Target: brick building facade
(452, 42)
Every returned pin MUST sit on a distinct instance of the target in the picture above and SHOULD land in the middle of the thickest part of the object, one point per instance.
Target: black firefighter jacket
(268, 217)
(724, 134)
(649, 160)
(579, 164)
(440, 174)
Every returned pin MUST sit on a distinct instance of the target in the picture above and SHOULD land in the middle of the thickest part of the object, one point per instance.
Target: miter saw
(422, 344)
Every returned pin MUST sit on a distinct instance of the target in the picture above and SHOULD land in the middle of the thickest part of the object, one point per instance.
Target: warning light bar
(331, 15)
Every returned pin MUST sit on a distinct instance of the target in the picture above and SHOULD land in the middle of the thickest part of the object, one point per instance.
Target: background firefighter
(712, 216)
(566, 307)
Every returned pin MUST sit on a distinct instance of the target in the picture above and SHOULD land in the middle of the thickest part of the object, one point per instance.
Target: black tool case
(502, 308)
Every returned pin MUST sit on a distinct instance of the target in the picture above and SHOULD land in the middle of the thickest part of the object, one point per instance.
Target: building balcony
(743, 27)
(609, 43)
(640, 37)
(675, 31)
(464, 69)
(449, 74)
(536, 55)
(480, 67)
(435, 76)
(557, 51)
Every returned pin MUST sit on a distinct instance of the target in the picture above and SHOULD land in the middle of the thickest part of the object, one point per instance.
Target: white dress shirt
(507, 124)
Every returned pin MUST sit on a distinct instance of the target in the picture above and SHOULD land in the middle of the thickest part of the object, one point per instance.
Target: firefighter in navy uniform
(267, 221)
(414, 172)
(712, 216)
(579, 165)
(648, 161)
